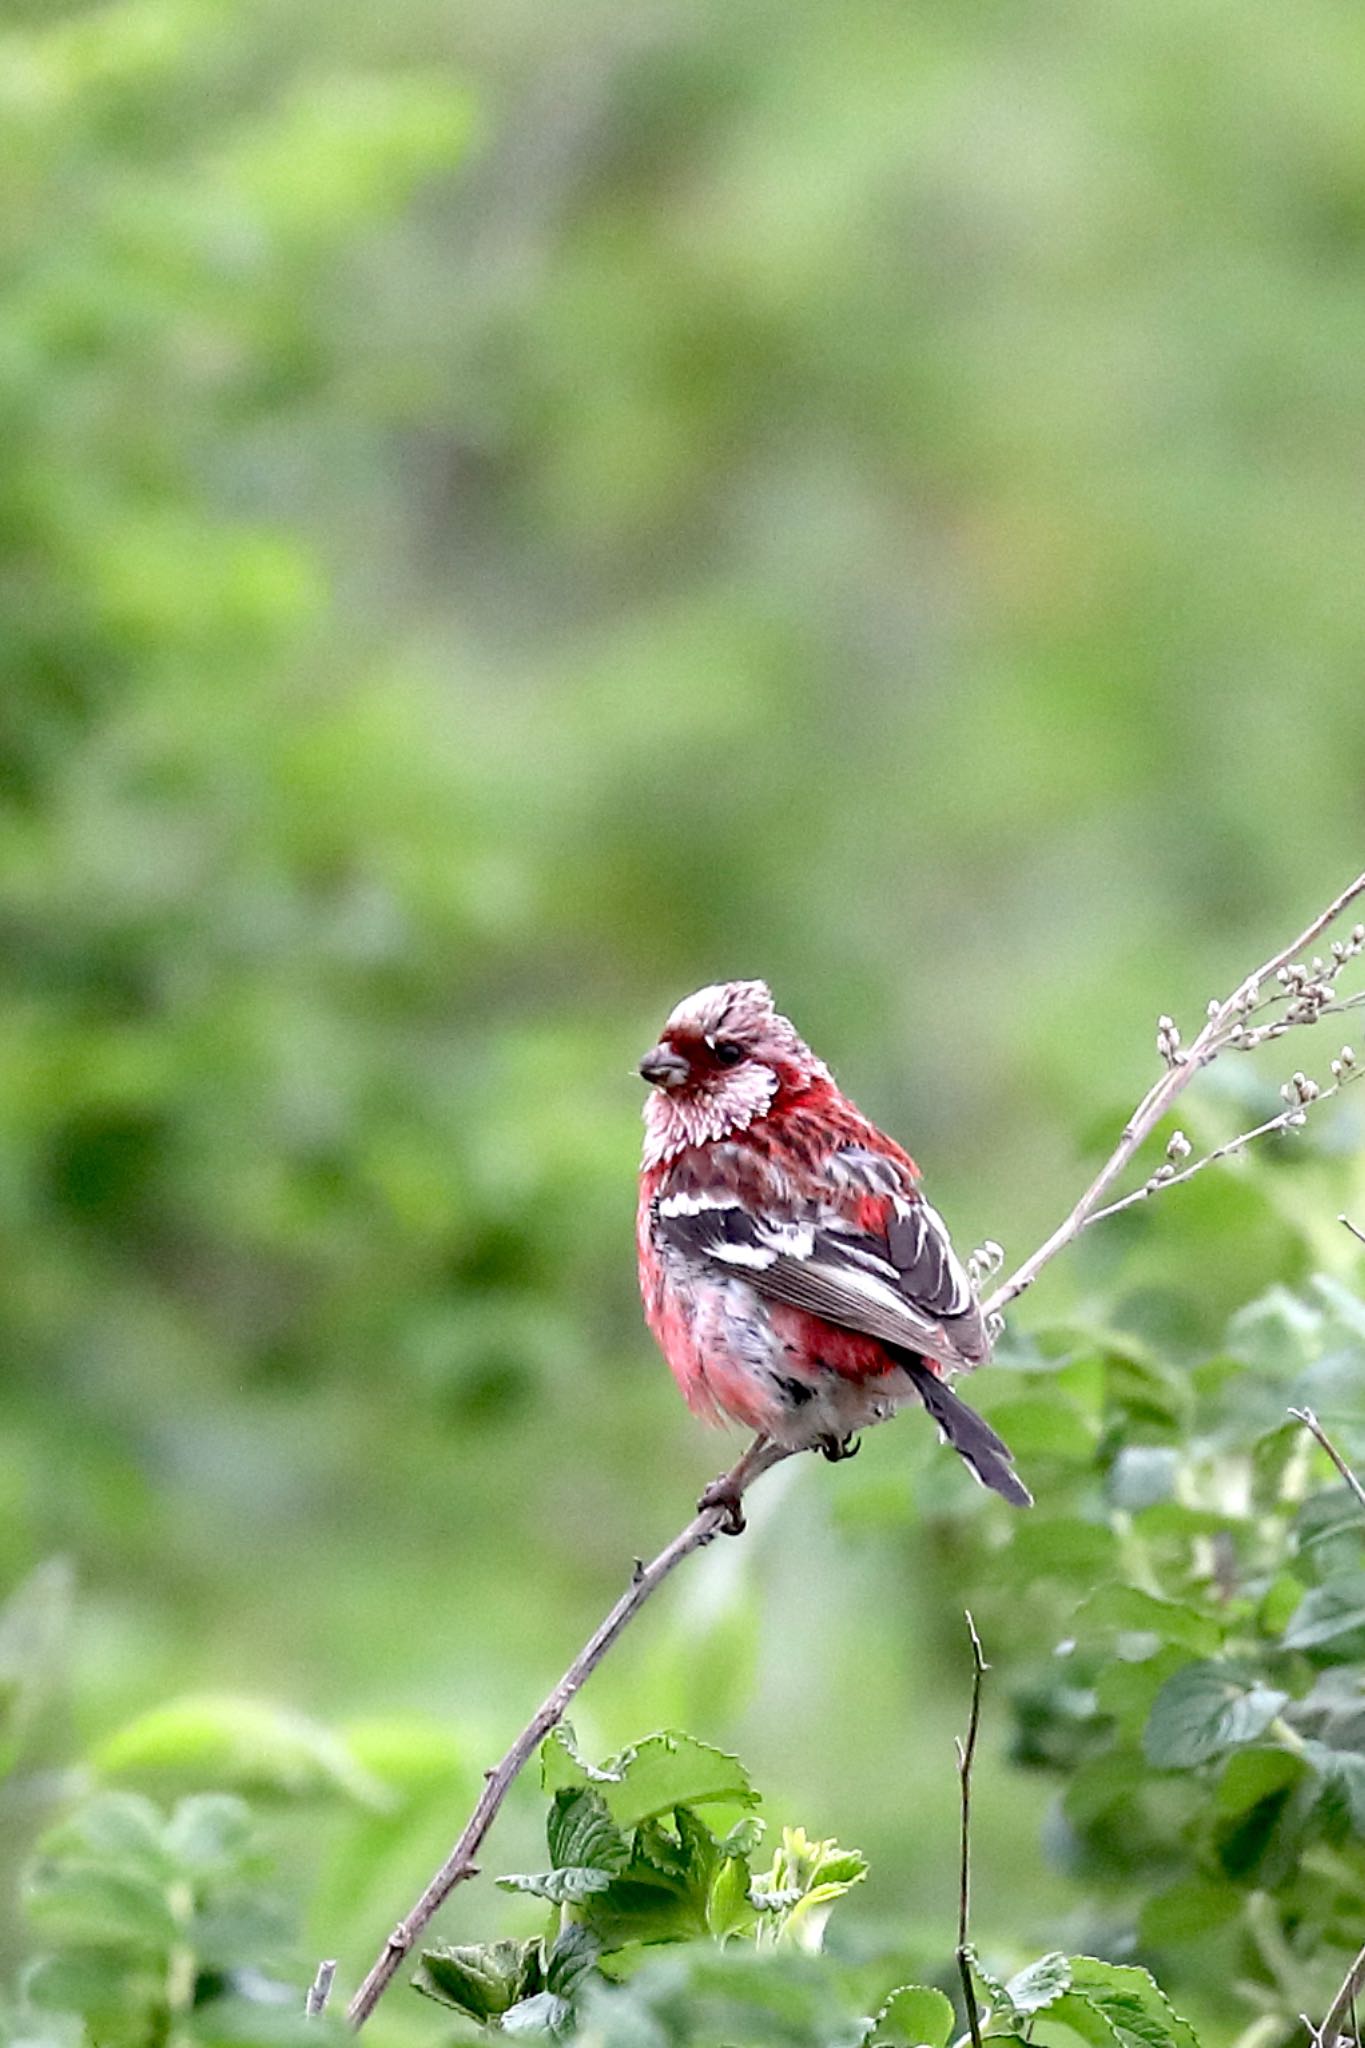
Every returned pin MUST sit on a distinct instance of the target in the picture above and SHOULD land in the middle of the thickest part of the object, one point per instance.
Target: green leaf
(653, 1777)
(566, 1887)
(729, 1909)
(573, 1956)
(1041, 1984)
(1205, 1709)
(209, 1835)
(1330, 1521)
(542, 2013)
(1328, 1613)
(581, 1833)
(236, 1744)
(121, 1828)
(915, 2016)
(562, 1762)
(1253, 1775)
(482, 1979)
(1277, 1333)
(94, 1906)
(1119, 2003)
(1128, 1691)
(1129, 1609)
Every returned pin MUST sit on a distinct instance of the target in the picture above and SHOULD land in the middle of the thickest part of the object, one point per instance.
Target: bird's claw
(837, 1448)
(719, 1495)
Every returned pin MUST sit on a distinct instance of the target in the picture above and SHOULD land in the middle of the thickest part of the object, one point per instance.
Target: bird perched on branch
(793, 1274)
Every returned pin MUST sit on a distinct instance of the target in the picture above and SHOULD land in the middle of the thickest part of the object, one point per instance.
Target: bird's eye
(727, 1053)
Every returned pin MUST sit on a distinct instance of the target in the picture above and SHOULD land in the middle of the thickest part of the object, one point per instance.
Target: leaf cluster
(1200, 1570)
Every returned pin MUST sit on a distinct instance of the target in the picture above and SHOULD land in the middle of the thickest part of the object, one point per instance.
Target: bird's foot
(721, 1494)
(837, 1448)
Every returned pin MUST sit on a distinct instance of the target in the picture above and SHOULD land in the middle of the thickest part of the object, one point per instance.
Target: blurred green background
(508, 513)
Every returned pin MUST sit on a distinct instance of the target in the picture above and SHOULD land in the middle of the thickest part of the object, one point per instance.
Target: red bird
(795, 1278)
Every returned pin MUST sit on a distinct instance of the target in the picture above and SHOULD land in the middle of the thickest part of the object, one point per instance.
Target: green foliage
(153, 1925)
(1204, 1703)
(745, 1968)
(633, 1866)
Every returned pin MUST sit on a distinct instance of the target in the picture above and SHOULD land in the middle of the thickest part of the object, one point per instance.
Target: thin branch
(1288, 1120)
(1223, 1022)
(1315, 1428)
(966, 1753)
(320, 1990)
(1343, 2007)
(459, 1865)
(1353, 1228)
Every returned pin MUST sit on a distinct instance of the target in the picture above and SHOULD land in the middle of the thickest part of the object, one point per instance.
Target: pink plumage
(793, 1274)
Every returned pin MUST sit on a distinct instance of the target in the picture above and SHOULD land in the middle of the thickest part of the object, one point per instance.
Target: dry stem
(966, 1753)
(1315, 1428)
(320, 1990)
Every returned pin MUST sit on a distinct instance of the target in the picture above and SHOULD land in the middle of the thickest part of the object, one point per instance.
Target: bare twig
(1353, 1228)
(459, 1865)
(966, 1753)
(1315, 1428)
(320, 1990)
(1168, 1177)
(1223, 1027)
(1342, 2008)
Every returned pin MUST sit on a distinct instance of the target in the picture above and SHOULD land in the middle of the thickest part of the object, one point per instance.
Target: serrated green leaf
(574, 1954)
(1205, 1709)
(1128, 1608)
(915, 2016)
(667, 1771)
(1038, 1986)
(482, 1979)
(230, 1744)
(744, 1838)
(581, 1833)
(562, 1763)
(565, 1887)
(1130, 2007)
(540, 2014)
(1328, 1613)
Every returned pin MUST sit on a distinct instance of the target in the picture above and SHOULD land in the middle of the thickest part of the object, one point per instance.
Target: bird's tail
(975, 1442)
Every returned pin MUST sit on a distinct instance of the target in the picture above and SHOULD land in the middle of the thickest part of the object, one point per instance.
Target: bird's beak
(664, 1068)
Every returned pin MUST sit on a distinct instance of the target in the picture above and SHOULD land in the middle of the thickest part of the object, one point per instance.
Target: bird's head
(721, 1059)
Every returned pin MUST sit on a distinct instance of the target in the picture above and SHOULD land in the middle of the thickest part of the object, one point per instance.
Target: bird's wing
(871, 1255)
